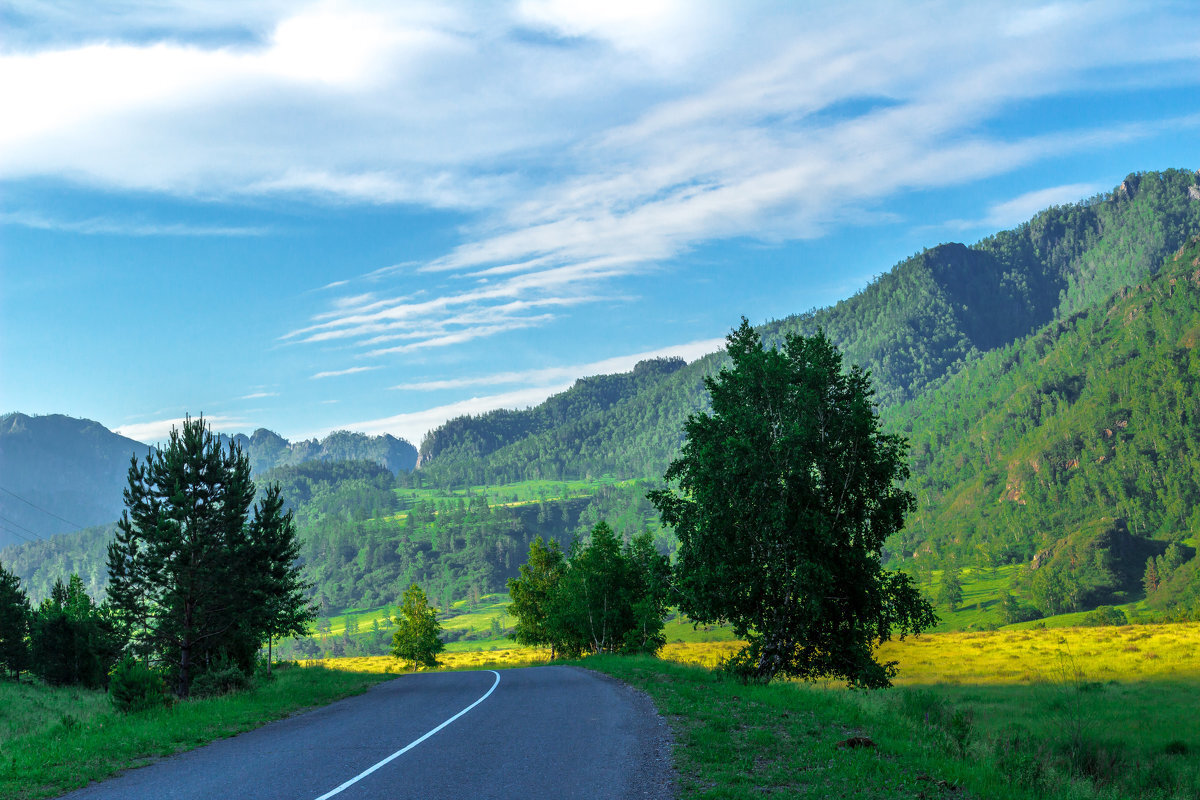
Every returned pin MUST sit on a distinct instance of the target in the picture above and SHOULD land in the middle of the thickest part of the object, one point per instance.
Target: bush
(222, 677)
(134, 686)
(1105, 615)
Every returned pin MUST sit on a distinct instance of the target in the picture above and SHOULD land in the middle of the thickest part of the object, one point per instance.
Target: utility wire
(7, 529)
(39, 508)
(19, 525)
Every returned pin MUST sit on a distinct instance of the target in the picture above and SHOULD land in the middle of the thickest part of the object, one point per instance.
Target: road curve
(558, 732)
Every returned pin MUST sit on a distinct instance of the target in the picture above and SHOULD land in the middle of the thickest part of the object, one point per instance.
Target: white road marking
(411, 744)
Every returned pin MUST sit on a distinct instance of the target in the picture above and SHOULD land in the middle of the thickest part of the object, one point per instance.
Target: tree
(1151, 579)
(194, 578)
(417, 637)
(281, 594)
(786, 493)
(14, 624)
(531, 594)
(604, 598)
(950, 591)
(71, 639)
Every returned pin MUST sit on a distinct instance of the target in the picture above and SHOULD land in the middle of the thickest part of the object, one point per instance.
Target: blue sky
(375, 216)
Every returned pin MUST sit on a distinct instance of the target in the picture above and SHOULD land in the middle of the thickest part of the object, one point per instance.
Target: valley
(1046, 381)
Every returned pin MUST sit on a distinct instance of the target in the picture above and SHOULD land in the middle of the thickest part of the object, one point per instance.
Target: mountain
(1090, 426)
(268, 450)
(59, 474)
(913, 327)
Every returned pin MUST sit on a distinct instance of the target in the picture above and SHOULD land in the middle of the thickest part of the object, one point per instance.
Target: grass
(1079, 713)
(53, 740)
(736, 741)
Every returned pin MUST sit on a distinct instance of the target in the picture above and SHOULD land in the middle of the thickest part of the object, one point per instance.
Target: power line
(18, 533)
(22, 527)
(39, 508)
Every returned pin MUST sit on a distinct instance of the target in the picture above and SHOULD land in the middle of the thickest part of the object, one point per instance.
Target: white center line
(411, 744)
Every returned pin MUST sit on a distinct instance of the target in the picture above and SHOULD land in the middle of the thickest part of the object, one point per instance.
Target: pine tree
(192, 578)
(14, 624)
(71, 639)
(1150, 579)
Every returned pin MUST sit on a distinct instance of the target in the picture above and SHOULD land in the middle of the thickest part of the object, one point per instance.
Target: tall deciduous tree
(532, 594)
(14, 624)
(417, 638)
(192, 576)
(788, 490)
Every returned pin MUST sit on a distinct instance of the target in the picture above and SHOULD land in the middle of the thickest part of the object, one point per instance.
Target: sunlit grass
(53, 740)
(466, 659)
(1130, 652)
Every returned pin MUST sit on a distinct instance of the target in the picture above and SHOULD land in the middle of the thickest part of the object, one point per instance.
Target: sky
(378, 216)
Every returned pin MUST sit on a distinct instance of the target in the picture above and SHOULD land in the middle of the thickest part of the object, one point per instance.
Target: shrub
(134, 686)
(222, 677)
(1105, 615)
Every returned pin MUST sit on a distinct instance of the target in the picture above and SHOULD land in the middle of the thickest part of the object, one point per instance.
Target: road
(552, 732)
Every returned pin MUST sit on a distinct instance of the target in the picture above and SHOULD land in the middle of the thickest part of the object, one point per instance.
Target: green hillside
(1074, 449)
(914, 326)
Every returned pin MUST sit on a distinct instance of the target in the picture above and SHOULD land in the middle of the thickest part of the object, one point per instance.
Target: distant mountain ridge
(59, 473)
(268, 450)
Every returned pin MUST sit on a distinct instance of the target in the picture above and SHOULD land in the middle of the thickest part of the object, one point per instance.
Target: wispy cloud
(688, 351)
(96, 226)
(258, 395)
(414, 425)
(1019, 209)
(335, 373)
(584, 143)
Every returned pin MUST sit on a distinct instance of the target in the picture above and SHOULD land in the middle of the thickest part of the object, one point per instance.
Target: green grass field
(1084, 713)
(53, 740)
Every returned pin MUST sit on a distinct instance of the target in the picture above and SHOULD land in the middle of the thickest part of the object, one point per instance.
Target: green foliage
(14, 624)
(787, 493)
(72, 640)
(1104, 615)
(1013, 610)
(606, 598)
(950, 591)
(222, 676)
(1091, 419)
(134, 686)
(193, 577)
(417, 637)
(532, 594)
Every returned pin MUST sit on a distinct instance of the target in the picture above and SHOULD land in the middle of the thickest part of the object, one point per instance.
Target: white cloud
(688, 351)
(414, 425)
(1022, 208)
(339, 372)
(589, 142)
(258, 395)
(127, 227)
(157, 431)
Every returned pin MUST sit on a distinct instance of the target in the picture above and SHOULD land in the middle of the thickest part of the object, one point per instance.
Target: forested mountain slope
(1091, 426)
(60, 474)
(268, 450)
(912, 327)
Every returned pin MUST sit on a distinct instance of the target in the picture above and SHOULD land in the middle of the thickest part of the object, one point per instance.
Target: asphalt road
(550, 732)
